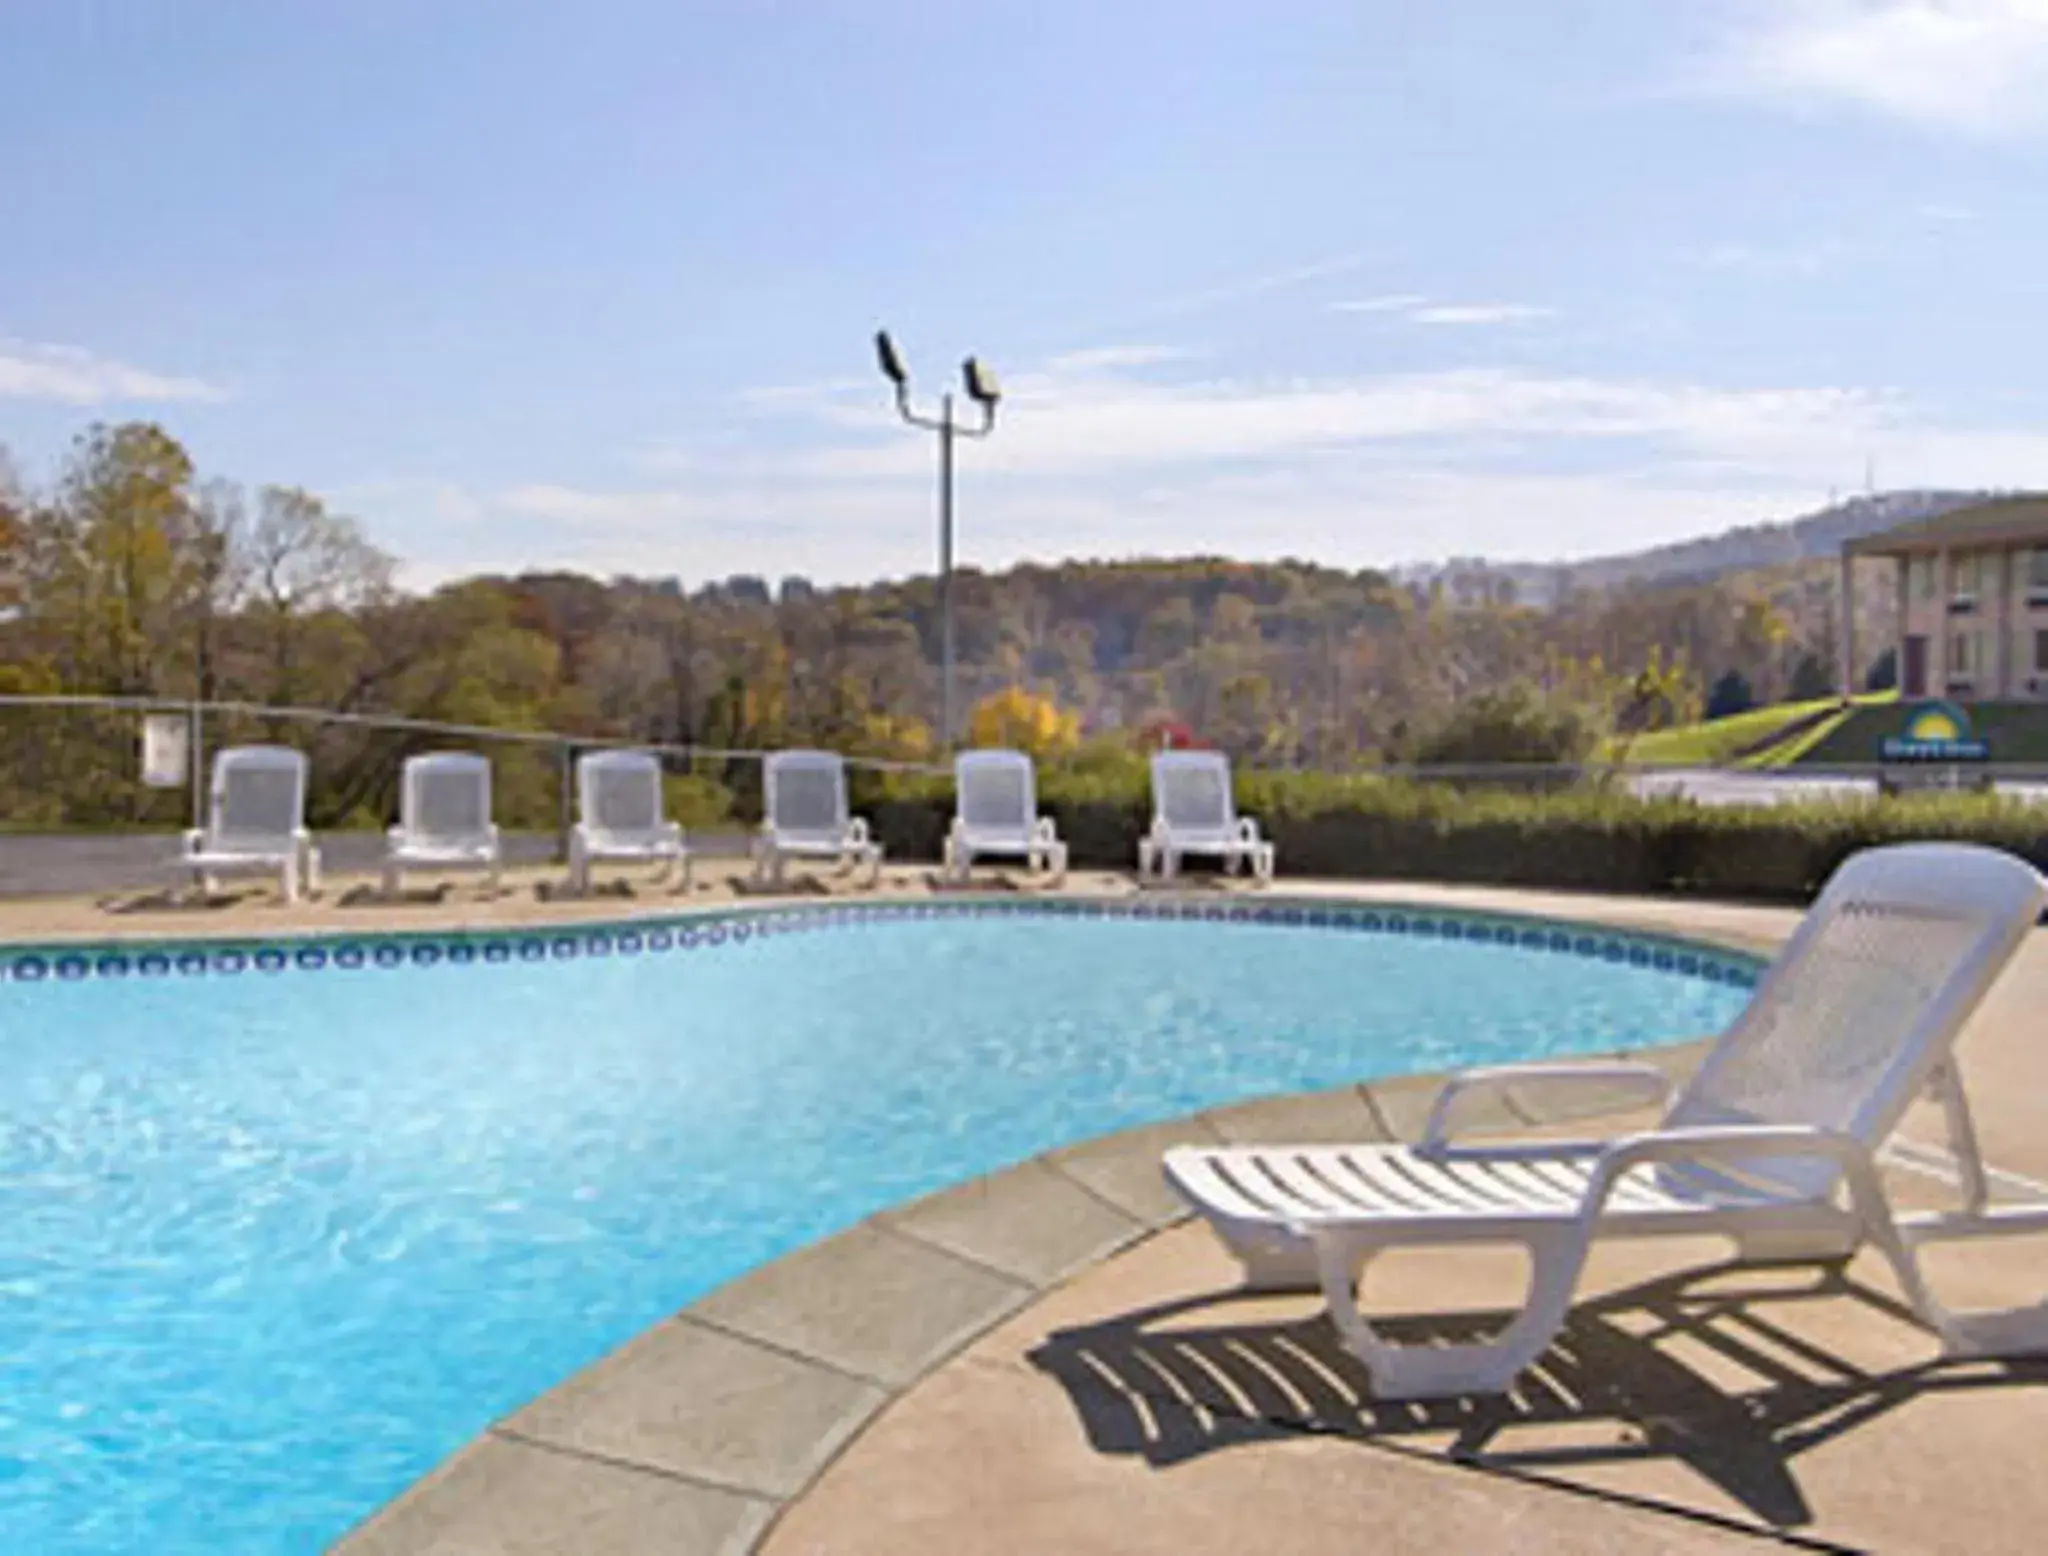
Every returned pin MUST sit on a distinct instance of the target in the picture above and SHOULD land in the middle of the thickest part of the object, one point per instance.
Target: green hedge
(1373, 829)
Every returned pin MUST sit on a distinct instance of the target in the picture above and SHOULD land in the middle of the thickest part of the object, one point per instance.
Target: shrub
(1811, 681)
(1512, 726)
(1729, 695)
(1360, 826)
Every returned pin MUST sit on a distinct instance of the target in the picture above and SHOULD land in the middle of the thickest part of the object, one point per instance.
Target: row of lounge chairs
(256, 819)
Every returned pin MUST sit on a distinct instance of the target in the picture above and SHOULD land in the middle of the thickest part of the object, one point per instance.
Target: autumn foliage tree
(1019, 720)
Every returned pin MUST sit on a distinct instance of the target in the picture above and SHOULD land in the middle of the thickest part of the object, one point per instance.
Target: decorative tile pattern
(737, 927)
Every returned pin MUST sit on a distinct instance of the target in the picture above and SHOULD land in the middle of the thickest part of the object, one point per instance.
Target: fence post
(195, 756)
(566, 785)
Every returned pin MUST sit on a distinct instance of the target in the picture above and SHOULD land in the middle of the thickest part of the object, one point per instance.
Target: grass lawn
(1715, 742)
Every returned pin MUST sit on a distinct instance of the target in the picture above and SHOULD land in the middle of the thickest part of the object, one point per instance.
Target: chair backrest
(996, 791)
(1191, 791)
(806, 793)
(619, 792)
(1867, 998)
(445, 794)
(258, 794)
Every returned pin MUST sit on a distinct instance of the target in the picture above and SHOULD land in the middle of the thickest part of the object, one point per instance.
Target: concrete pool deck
(1048, 1359)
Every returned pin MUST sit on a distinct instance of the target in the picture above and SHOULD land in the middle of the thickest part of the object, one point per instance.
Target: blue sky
(531, 284)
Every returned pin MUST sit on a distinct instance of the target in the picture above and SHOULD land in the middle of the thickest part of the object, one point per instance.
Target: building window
(2041, 652)
(2037, 570)
(1921, 569)
(1959, 655)
(1963, 571)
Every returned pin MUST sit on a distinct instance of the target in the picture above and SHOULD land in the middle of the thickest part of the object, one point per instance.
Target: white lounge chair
(1193, 812)
(1774, 1142)
(444, 818)
(256, 821)
(619, 802)
(996, 792)
(807, 817)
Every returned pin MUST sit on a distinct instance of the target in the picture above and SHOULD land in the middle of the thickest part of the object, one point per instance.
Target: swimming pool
(282, 1225)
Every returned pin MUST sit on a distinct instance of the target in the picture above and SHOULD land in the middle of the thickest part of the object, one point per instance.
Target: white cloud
(71, 375)
(1975, 66)
(1418, 309)
(779, 396)
(1478, 313)
(1054, 426)
(1097, 461)
(1392, 302)
(1105, 358)
(1942, 212)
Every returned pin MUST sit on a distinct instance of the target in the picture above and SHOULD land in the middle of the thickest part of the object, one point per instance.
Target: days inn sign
(1936, 732)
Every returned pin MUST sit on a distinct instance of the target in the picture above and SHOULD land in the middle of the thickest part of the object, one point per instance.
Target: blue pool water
(272, 1245)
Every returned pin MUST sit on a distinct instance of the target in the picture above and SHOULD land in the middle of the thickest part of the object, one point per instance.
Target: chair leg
(288, 880)
(1482, 1367)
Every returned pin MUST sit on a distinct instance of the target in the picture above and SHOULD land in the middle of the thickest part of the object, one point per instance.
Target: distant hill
(1748, 549)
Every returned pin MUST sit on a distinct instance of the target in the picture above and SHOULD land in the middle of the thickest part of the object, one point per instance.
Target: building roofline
(2020, 520)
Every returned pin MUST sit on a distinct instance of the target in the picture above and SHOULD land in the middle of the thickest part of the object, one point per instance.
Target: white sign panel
(166, 750)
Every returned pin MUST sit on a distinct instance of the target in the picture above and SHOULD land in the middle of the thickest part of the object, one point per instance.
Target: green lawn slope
(1744, 739)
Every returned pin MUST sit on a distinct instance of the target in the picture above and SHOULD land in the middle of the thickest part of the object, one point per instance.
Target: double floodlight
(975, 375)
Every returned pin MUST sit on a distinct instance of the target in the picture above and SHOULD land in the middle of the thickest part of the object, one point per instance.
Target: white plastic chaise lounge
(1774, 1142)
(621, 817)
(1194, 813)
(807, 817)
(444, 818)
(997, 795)
(256, 821)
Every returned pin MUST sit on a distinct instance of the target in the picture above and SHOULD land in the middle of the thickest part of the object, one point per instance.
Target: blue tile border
(735, 927)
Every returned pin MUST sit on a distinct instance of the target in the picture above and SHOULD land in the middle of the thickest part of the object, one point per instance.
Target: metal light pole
(981, 388)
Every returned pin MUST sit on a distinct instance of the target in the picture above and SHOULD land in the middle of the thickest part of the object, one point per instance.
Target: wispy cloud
(1098, 458)
(71, 375)
(1255, 286)
(1417, 309)
(779, 396)
(1944, 213)
(1479, 313)
(1978, 67)
(1390, 302)
(1111, 358)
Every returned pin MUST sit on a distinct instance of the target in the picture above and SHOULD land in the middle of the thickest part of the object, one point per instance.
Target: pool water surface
(277, 1237)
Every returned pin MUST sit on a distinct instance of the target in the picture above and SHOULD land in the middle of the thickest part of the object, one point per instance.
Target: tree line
(132, 574)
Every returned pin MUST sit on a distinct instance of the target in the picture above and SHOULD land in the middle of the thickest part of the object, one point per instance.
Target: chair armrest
(1247, 830)
(1646, 1084)
(1045, 830)
(1723, 1144)
(857, 831)
(491, 832)
(194, 840)
(393, 836)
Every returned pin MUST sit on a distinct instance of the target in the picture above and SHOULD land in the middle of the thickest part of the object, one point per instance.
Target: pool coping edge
(781, 1410)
